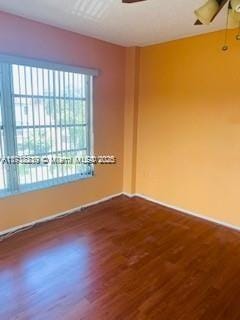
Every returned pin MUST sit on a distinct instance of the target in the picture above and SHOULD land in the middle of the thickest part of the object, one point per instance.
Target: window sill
(45, 185)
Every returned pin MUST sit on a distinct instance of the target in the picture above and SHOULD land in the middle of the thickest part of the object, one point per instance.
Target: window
(45, 117)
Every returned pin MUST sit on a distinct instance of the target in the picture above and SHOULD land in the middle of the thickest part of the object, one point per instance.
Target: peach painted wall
(188, 152)
(23, 37)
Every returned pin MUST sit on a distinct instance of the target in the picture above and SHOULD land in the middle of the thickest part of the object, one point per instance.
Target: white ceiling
(141, 24)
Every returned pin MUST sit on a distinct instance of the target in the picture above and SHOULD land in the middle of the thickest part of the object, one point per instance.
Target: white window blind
(45, 112)
(3, 184)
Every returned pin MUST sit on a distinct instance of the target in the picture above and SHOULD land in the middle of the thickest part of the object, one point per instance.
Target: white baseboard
(187, 212)
(130, 195)
(9, 232)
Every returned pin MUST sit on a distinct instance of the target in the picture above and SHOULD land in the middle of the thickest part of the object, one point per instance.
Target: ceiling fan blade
(131, 1)
(221, 5)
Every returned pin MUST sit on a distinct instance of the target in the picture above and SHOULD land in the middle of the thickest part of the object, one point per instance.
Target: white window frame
(9, 123)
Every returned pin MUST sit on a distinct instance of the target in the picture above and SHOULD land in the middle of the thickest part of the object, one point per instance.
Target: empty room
(119, 160)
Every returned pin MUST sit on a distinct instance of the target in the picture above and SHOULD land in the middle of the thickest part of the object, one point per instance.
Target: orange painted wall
(23, 37)
(188, 146)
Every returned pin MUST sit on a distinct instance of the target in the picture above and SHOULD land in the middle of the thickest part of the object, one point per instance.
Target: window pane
(51, 114)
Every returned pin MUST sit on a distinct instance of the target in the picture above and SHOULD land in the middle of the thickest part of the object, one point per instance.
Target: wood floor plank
(125, 259)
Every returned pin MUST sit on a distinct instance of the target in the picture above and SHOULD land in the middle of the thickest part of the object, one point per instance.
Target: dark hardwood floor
(120, 260)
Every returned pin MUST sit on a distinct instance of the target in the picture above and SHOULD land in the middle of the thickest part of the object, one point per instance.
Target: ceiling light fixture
(233, 19)
(207, 12)
(235, 4)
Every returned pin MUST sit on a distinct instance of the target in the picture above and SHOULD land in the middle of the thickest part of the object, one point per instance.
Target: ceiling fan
(209, 11)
